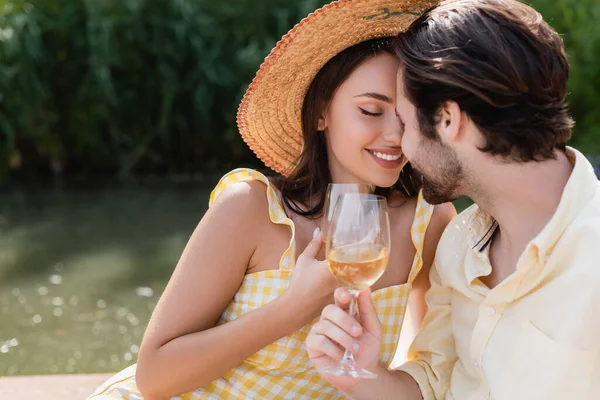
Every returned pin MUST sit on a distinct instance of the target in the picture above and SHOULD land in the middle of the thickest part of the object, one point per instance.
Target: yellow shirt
(535, 336)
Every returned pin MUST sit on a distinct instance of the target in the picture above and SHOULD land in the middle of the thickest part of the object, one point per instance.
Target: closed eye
(370, 114)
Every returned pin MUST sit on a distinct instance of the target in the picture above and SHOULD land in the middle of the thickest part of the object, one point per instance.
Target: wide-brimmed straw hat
(270, 114)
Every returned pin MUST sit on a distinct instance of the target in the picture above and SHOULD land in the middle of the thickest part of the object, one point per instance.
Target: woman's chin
(384, 180)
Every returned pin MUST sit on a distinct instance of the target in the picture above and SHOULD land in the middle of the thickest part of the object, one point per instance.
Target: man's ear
(450, 122)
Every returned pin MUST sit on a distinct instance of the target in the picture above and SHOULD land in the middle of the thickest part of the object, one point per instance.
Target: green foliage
(121, 87)
(577, 22)
(113, 85)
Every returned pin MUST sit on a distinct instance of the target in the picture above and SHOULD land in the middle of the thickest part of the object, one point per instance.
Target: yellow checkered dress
(282, 370)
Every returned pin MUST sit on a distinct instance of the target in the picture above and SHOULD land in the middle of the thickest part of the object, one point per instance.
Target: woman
(234, 317)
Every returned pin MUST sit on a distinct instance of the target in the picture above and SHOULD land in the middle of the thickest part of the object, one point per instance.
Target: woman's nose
(393, 131)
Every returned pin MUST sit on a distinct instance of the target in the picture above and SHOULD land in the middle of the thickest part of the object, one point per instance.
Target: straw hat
(269, 116)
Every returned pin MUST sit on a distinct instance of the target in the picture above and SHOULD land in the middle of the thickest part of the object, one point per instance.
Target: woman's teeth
(387, 157)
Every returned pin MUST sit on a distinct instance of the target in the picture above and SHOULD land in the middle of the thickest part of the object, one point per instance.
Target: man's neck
(522, 198)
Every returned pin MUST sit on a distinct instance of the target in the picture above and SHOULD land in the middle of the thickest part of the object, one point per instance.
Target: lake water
(81, 271)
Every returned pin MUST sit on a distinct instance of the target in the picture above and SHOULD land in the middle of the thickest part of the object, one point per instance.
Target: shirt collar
(481, 228)
(578, 192)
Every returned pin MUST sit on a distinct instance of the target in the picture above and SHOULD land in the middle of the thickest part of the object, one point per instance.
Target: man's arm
(432, 356)
(388, 385)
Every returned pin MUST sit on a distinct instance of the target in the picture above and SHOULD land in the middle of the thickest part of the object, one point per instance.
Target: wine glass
(334, 191)
(357, 249)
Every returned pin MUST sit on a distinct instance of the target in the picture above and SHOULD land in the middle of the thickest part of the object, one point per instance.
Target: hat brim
(269, 117)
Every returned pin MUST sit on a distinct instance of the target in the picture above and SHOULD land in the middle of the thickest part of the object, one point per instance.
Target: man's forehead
(400, 83)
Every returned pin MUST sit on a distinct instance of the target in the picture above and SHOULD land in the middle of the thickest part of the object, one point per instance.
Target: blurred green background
(115, 88)
(116, 119)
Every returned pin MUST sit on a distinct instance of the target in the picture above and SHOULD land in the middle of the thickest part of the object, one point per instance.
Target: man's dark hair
(501, 63)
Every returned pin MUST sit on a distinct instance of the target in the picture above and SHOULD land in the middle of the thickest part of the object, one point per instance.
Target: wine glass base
(349, 371)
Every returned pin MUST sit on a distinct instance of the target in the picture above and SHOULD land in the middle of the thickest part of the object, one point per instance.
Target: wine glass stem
(348, 358)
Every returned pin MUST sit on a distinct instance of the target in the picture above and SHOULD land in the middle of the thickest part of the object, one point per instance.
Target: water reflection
(81, 271)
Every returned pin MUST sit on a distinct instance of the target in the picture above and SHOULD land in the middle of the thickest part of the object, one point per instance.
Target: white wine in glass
(357, 248)
(358, 266)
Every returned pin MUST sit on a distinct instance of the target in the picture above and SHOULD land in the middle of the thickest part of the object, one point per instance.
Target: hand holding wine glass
(357, 248)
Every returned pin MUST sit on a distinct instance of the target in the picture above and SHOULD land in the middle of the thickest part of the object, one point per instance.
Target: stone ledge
(50, 387)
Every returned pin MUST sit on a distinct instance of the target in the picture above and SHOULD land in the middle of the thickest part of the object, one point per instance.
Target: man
(514, 304)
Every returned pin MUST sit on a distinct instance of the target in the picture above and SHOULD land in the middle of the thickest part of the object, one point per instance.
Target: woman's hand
(312, 284)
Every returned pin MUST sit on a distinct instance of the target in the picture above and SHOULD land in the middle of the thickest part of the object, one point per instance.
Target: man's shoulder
(576, 249)
(592, 209)
(585, 227)
(587, 218)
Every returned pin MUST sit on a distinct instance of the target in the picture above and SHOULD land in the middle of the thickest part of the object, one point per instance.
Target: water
(81, 272)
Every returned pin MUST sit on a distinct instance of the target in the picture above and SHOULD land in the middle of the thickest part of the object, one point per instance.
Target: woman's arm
(182, 349)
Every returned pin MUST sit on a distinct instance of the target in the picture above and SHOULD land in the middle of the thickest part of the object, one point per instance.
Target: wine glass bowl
(334, 191)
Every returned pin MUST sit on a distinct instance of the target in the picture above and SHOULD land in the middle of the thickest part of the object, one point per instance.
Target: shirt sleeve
(432, 354)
